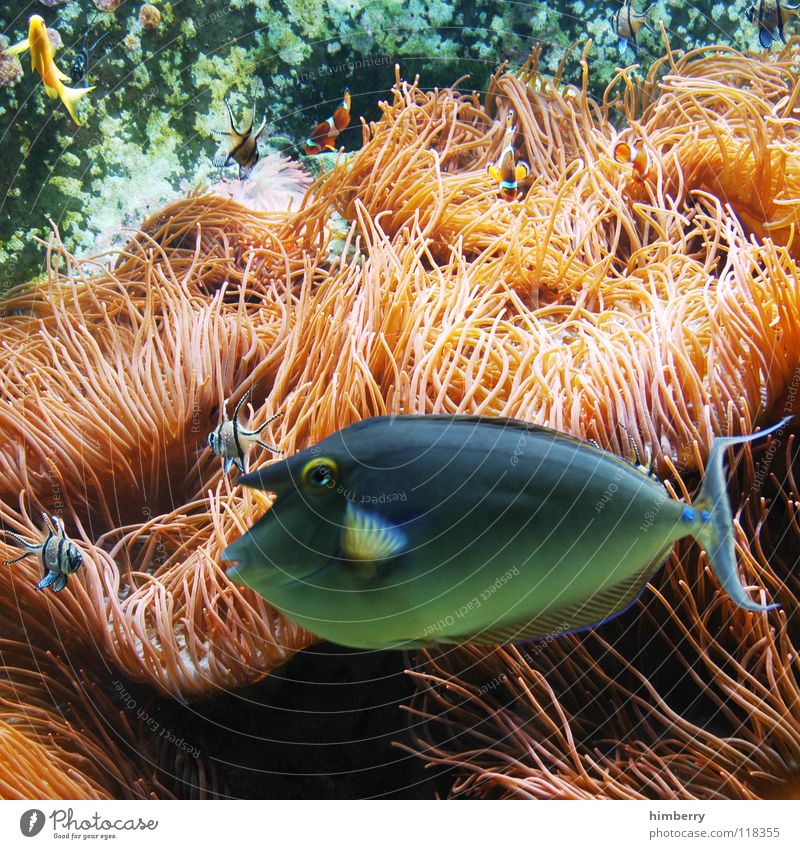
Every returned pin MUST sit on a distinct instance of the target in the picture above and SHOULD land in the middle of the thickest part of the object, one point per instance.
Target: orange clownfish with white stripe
(634, 154)
(42, 61)
(325, 133)
(506, 171)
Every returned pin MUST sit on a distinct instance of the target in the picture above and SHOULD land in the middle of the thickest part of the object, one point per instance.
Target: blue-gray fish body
(414, 530)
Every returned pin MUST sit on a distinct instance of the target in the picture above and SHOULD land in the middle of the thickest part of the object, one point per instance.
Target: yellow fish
(42, 61)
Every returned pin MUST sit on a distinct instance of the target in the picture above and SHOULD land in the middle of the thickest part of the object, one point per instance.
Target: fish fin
(522, 170)
(623, 46)
(266, 424)
(17, 559)
(49, 578)
(716, 532)
(70, 96)
(63, 77)
(231, 119)
(580, 616)
(260, 129)
(502, 422)
(228, 465)
(765, 38)
(220, 160)
(494, 172)
(366, 538)
(268, 447)
(59, 583)
(16, 49)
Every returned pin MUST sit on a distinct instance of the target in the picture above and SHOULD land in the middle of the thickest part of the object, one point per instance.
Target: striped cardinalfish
(60, 556)
(230, 441)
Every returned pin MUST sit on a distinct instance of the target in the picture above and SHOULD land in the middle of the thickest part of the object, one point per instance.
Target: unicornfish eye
(319, 474)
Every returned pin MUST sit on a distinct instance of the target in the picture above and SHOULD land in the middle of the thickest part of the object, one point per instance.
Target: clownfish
(59, 555)
(243, 148)
(627, 23)
(506, 171)
(42, 61)
(634, 154)
(230, 441)
(325, 132)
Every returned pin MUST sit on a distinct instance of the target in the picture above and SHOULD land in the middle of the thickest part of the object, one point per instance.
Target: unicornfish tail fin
(715, 533)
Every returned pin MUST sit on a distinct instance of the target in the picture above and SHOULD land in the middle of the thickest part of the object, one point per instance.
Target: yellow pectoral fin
(367, 539)
(494, 173)
(522, 170)
(19, 47)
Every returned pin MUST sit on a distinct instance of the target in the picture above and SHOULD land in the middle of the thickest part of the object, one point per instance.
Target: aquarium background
(331, 722)
(160, 92)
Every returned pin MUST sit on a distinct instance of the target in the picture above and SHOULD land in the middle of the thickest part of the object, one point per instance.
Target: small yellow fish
(244, 145)
(507, 172)
(42, 61)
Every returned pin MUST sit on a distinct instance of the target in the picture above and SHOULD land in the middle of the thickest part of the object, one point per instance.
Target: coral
(10, 66)
(106, 5)
(149, 16)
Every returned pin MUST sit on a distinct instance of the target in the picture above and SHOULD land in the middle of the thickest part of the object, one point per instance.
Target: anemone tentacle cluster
(664, 311)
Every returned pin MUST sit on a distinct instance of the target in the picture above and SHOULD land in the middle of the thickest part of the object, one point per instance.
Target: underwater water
(229, 231)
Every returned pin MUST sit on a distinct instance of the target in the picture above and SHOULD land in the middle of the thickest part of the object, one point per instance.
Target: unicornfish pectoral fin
(716, 532)
(366, 538)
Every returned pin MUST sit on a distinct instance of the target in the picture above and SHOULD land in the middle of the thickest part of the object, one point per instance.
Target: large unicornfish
(414, 530)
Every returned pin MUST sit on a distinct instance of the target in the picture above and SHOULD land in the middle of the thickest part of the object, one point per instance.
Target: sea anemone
(658, 312)
(65, 734)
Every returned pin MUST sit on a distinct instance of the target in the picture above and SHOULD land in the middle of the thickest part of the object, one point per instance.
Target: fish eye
(319, 474)
(75, 559)
(211, 440)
